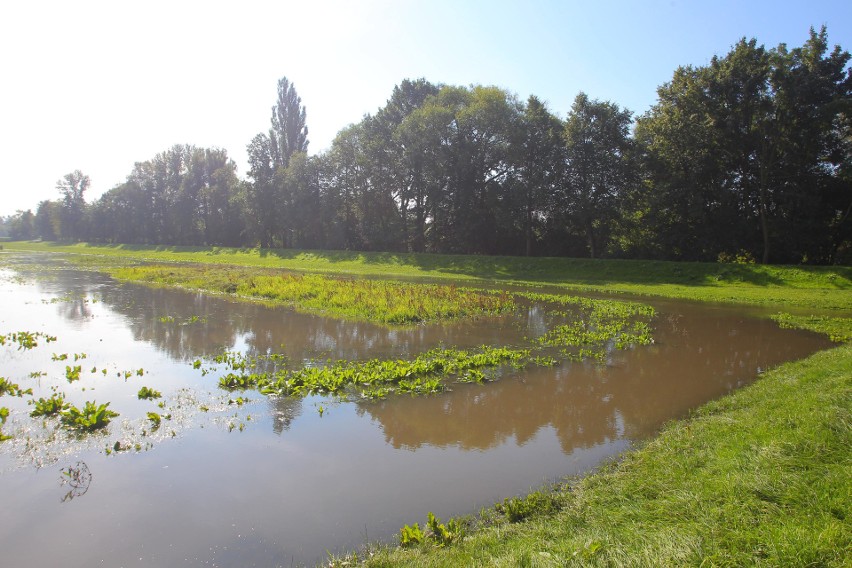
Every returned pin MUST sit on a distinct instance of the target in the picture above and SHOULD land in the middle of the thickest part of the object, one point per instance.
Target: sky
(98, 86)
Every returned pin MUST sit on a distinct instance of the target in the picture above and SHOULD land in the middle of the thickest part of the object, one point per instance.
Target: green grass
(813, 287)
(381, 301)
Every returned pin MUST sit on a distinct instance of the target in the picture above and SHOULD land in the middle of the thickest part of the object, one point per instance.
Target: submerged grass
(380, 301)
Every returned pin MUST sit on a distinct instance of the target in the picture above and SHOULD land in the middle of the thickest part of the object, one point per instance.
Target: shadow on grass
(545, 270)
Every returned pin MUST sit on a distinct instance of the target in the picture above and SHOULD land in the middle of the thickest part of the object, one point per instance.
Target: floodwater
(281, 482)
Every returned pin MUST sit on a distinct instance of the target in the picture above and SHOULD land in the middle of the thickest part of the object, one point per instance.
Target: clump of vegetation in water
(73, 373)
(91, 417)
(146, 393)
(49, 406)
(26, 340)
(7, 387)
(381, 301)
(4, 414)
(374, 378)
(598, 324)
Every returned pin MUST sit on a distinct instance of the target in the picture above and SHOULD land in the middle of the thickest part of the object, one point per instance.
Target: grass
(813, 287)
(381, 301)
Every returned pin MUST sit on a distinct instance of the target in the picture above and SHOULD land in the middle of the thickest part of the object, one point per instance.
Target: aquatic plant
(91, 417)
(146, 393)
(4, 414)
(7, 387)
(73, 373)
(155, 419)
(382, 301)
(25, 339)
(49, 406)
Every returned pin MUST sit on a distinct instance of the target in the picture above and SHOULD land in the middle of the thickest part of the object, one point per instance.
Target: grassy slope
(823, 288)
(760, 477)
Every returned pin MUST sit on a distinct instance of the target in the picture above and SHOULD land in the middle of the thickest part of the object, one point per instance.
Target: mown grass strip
(759, 477)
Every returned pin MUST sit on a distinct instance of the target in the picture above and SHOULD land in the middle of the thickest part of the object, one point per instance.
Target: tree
(540, 159)
(747, 153)
(72, 187)
(598, 170)
(289, 133)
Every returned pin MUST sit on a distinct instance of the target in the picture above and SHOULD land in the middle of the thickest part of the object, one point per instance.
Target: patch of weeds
(4, 414)
(435, 531)
(155, 420)
(73, 373)
(49, 406)
(7, 387)
(26, 340)
(146, 393)
(91, 417)
(517, 509)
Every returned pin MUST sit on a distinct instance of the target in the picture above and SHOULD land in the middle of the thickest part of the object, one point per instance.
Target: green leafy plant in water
(91, 417)
(155, 419)
(25, 339)
(4, 414)
(73, 373)
(59, 357)
(49, 406)
(146, 393)
(7, 387)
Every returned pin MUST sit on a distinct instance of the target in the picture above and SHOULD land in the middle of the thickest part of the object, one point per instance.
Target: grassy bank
(823, 288)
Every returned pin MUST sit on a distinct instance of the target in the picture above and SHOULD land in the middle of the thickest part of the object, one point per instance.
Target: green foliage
(73, 373)
(146, 393)
(7, 387)
(537, 503)
(410, 535)
(49, 406)
(381, 301)
(436, 532)
(91, 417)
(26, 340)
(155, 419)
(4, 414)
(838, 329)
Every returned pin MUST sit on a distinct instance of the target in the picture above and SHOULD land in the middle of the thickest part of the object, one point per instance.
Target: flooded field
(237, 478)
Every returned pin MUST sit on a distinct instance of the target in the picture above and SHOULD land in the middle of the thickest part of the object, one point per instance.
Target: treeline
(746, 158)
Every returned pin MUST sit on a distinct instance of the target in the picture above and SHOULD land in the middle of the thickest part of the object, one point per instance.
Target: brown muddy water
(282, 482)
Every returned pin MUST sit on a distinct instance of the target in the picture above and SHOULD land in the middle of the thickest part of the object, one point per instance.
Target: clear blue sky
(97, 86)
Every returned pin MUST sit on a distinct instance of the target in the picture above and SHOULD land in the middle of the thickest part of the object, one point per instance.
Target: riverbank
(807, 287)
(758, 477)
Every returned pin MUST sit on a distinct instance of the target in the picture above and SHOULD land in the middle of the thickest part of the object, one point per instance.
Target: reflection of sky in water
(272, 481)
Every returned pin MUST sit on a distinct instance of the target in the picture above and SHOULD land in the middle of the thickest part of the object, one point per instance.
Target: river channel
(242, 479)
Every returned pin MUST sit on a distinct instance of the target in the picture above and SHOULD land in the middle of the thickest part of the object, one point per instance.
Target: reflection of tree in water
(484, 416)
(284, 410)
(696, 358)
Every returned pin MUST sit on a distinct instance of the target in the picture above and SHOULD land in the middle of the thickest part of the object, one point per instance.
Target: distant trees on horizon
(748, 157)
